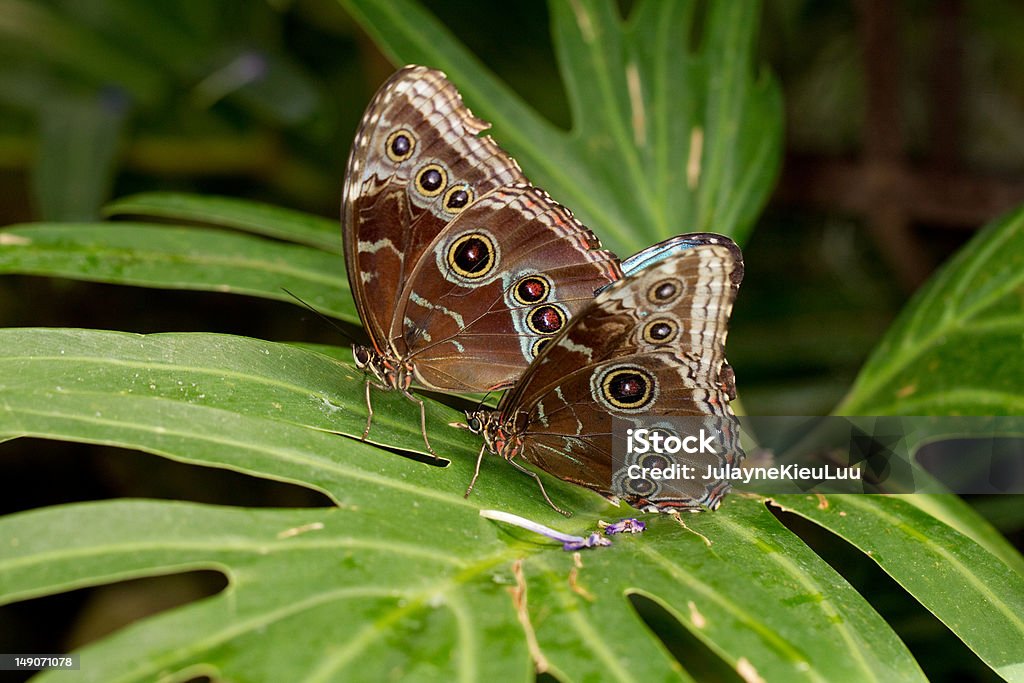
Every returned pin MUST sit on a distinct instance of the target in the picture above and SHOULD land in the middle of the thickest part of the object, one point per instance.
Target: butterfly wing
(500, 281)
(650, 345)
(416, 162)
(666, 248)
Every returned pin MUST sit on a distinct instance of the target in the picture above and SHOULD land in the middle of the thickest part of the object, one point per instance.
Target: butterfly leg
(423, 420)
(476, 472)
(369, 406)
(536, 478)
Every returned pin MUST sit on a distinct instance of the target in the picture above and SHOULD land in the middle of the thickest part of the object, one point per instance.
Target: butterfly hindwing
(697, 288)
(666, 248)
(650, 345)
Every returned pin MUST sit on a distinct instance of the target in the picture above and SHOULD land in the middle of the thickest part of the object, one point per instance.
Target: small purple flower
(593, 540)
(568, 541)
(630, 525)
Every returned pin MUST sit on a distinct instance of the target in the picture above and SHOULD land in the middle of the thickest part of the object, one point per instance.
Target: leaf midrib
(153, 365)
(277, 266)
(789, 567)
(279, 453)
(256, 548)
(950, 558)
(414, 602)
(587, 634)
(949, 326)
(618, 128)
(769, 636)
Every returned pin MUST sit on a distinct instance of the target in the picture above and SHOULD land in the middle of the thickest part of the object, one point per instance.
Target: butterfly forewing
(499, 282)
(417, 161)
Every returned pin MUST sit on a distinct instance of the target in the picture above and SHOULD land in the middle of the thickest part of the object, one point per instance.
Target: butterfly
(460, 269)
(650, 345)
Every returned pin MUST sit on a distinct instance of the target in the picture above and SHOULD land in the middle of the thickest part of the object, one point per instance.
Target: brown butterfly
(460, 269)
(649, 346)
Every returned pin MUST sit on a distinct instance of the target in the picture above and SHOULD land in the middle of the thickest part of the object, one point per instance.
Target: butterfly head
(487, 423)
(392, 373)
(368, 360)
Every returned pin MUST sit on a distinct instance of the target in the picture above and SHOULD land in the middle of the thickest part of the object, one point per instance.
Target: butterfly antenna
(320, 315)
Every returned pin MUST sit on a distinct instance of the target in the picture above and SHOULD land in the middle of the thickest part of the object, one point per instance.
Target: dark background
(904, 135)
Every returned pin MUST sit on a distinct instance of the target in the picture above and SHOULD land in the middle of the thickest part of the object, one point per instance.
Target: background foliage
(260, 100)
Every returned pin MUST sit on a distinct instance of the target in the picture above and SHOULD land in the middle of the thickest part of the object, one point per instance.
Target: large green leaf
(986, 608)
(179, 257)
(957, 347)
(953, 511)
(667, 136)
(230, 212)
(403, 576)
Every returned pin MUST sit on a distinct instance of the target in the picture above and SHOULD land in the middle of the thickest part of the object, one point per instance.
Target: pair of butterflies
(468, 279)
